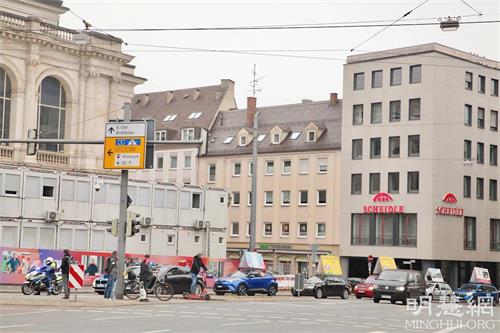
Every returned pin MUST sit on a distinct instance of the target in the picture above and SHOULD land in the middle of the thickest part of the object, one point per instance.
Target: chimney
(251, 110)
(145, 100)
(334, 98)
(196, 94)
(170, 96)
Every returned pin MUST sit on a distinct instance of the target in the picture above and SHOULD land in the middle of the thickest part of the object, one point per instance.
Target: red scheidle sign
(383, 197)
(449, 198)
(76, 275)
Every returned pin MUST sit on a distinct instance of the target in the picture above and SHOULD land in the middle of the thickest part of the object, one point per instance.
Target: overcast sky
(286, 80)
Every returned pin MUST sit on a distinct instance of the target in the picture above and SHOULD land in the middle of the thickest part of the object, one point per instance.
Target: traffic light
(133, 224)
(114, 227)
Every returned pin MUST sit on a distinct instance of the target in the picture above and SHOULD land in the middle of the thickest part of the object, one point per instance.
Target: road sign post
(76, 276)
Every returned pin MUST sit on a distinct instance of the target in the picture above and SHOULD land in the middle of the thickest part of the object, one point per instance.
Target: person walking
(111, 269)
(146, 275)
(65, 262)
(195, 270)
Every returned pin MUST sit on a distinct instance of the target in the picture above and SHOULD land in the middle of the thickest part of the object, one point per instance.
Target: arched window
(5, 92)
(51, 113)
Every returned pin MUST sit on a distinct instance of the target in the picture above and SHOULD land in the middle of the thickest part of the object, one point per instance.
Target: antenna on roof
(255, 81)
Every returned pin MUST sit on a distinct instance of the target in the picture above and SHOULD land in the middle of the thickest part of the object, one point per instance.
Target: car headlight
(356, 287)
(93, 284)
(308, 287)
(370, 288)
(400, 288)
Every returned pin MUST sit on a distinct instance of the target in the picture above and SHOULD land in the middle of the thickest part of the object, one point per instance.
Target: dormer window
(311, 136)
(195, 115)
(187, 134)
(170, 117)
(243, 140)
(276, 139)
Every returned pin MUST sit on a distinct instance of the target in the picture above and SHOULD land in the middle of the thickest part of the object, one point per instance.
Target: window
(250, 167)
(384, 229)
(159, 162)
(161, 135)
(196, 239)
(268, 229)
(413, 145)
(376, 79)
(322, 165)
(468, 80)
(414, 109)
(294, 135)
(243, 140)
(304, 166)
(302, 229)
(195, 200)
(173, 161)
(356, 179)
(495, 234)
(187, 161)
(493, 190)
(393, 182)
(236, 169)
(211, 173)
(236, 199)
(374, 183)
(303, 197)
(493, 155)
(394, 146)
(268, 198)
(415, 73)
(228, 140)
(494, 87)
(413, 182)
(143, 238)
(170, 117)
(396, 76)
(480, 153)
(375, 147)
(248, 229)
(311, 136)
(285, 198)
(468, 115)
(469, 233)
(235, 229)
(249, 198)
(187, 134)
(269, 167)
(480, 188)
(481, 80)
(48, 186)
(480, 118)
(494, 120)
(287, 167)
(5, 100)
(394, 111)
(467, 186)
(376, 113)
(220, 240)
(170, 239)
(357, 114)
(359, 81)
(51, 113)
(321, 197)
(195, 115)
(357, 149)
(276, 138)
(467, 150)
(285, 229)
(320, 230)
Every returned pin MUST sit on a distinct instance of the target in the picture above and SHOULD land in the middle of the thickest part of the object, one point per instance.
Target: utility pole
(122, 221)
(253, 211)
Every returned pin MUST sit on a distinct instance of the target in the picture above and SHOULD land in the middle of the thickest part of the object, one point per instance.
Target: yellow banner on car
(384, 263)
(330, 265)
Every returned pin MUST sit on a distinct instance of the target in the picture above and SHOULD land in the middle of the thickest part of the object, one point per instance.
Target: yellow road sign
(124, 145)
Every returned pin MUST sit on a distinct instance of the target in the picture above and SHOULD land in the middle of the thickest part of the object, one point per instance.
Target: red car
(365, 289)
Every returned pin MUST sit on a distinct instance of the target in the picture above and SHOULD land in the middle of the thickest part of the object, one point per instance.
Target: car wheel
(345, 294)
(272, 291)
(219, 293)
(318, 293)
(376, 299)
(242, 290)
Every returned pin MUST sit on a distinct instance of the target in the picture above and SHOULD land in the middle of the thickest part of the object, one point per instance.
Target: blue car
(470, 292)
(247, 282)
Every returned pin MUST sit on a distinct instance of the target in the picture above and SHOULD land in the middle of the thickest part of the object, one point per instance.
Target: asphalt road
(258, 313)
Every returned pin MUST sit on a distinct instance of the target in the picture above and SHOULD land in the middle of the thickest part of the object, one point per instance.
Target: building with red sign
(420, 161)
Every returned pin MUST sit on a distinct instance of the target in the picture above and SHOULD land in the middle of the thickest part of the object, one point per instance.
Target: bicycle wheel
(132, 289)
(164, 291)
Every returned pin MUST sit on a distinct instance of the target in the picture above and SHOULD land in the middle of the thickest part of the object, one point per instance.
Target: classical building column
(29, 119)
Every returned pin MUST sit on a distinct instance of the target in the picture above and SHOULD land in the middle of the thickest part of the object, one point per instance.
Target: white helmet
(48, 260)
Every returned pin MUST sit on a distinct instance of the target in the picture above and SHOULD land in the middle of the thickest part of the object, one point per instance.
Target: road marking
(26, 313)
(167, 330)
(247, 323)
(73, 310)
(95, 311)
(187, 312)
(287, 321)
(208, 317)
(254, 316)
(118, 312)
(276, 317)
(309, 323)
(189, 316)
(349, 316)
(167, 311)
(12, 326)
(209, 313)
(131, 317)
(296, 318)
(348, 322)
(361, 326)
(232, 314)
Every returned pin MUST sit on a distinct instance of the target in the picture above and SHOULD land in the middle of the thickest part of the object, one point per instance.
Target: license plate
(386, 297)
(361, 291)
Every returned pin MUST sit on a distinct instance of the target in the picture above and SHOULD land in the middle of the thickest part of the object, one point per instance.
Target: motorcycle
(36, 282)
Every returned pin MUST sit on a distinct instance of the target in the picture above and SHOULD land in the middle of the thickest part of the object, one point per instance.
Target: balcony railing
(48, 157)
(6, 152)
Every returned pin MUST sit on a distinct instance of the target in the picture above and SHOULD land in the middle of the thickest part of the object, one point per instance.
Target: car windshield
(468, 287)
(393, 276)
(370, 279)
(237, 274)
(314, 280)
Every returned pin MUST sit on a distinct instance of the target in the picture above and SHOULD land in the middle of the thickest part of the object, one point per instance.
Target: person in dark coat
(65, 262)
(195, 270)
(146, 272)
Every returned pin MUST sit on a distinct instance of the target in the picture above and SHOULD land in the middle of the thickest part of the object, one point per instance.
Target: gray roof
(292, 117)
(182, 104)
(54, 3)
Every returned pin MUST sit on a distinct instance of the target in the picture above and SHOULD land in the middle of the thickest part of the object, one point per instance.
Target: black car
(399, 285)
(309, 286)
(180, 278)
(321, 286)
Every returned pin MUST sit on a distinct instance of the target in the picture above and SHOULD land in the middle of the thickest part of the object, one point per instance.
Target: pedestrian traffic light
(133, 224)
(114, 227)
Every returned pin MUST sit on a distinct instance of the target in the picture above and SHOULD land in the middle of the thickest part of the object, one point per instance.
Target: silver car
(438, 290)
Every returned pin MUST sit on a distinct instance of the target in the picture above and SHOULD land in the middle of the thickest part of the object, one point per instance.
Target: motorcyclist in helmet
(50, 274)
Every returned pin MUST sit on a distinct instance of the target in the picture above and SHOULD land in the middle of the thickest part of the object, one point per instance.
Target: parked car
(247, 282)
(398, 285)
(365, 289)
(354, 281)
(438, 290)
(332, 286)
(470, 292)
(100, 282)
(309, 286)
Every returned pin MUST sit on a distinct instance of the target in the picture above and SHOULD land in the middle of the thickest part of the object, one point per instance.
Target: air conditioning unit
(52, 216)
(199, 224)
(146, 221)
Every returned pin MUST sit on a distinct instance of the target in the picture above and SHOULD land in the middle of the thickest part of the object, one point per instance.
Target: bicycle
(162, 290)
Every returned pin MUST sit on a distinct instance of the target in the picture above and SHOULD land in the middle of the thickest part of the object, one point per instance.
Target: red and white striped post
(76, 276)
